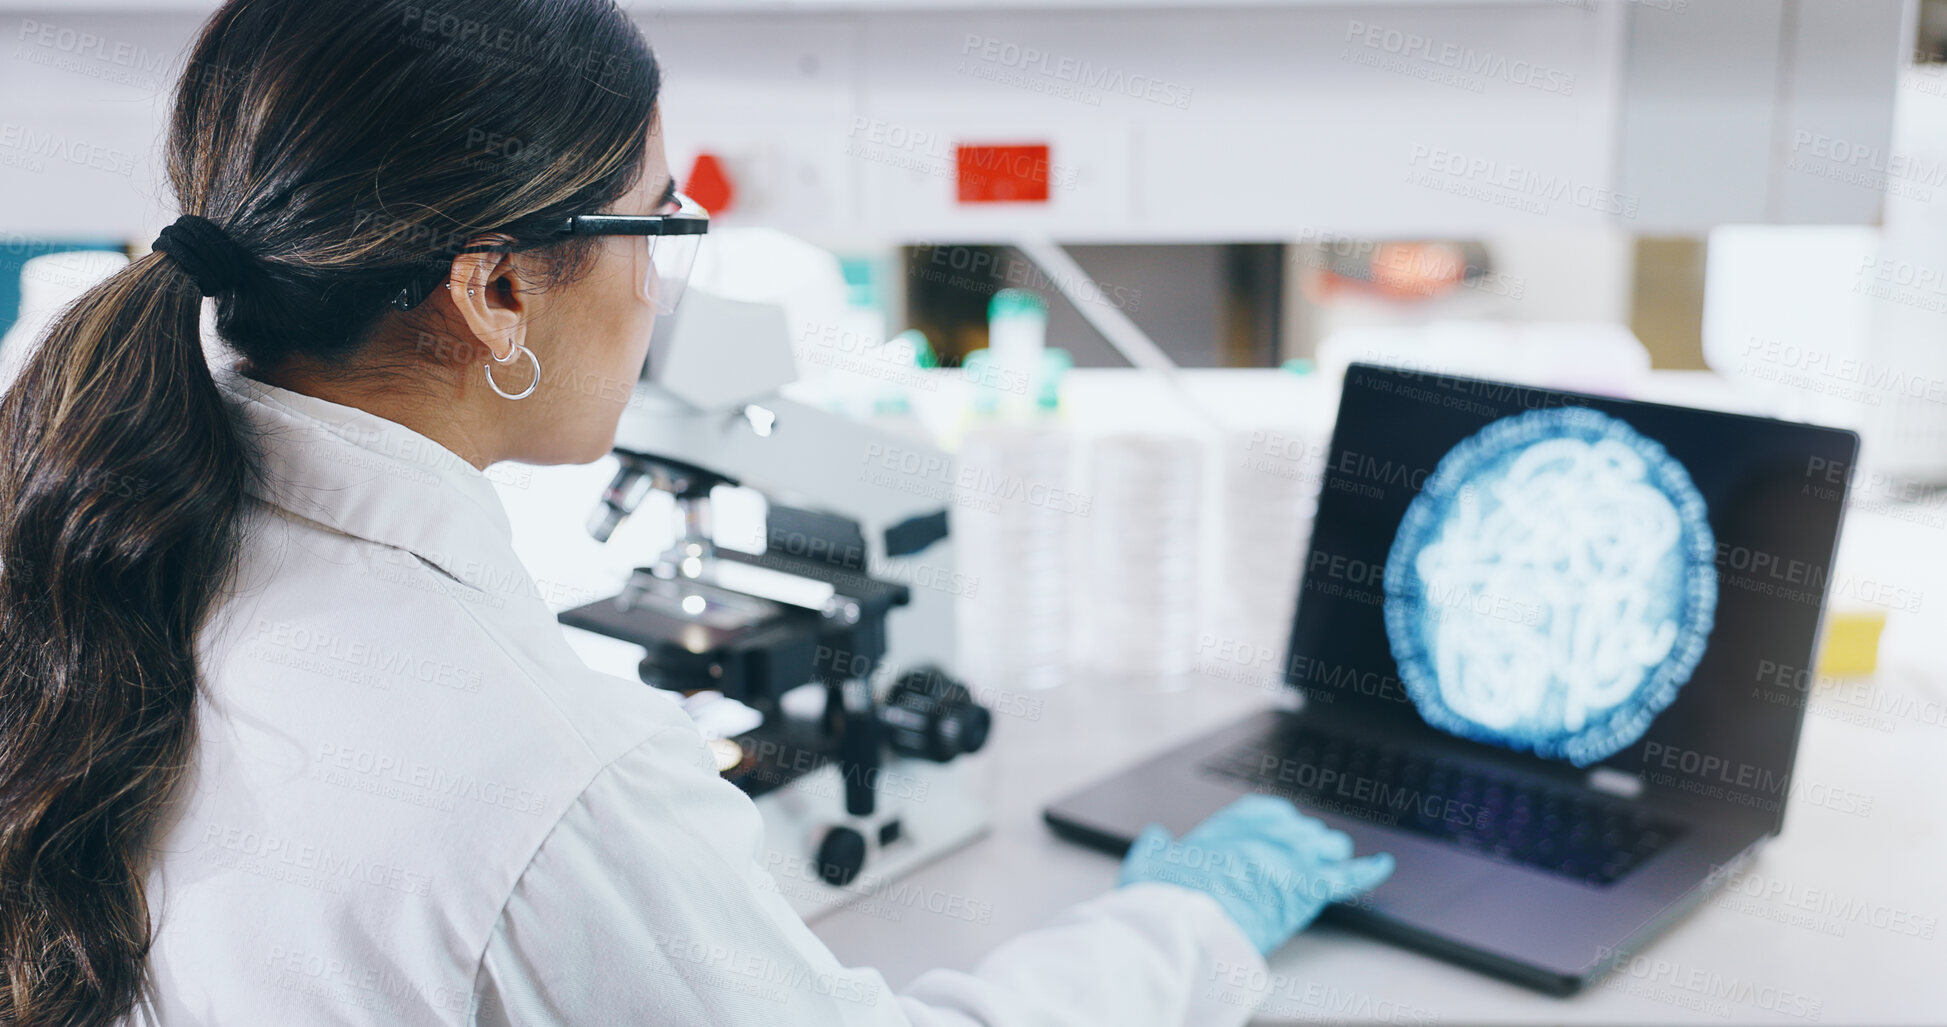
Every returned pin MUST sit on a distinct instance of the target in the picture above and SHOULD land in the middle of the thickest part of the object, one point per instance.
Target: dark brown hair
(346, 147)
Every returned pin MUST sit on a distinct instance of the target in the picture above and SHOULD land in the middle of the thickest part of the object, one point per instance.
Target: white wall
(81, 116)
(1272, 121)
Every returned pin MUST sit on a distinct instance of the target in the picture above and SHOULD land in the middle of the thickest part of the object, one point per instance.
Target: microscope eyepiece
(639, 474)
(625, 492)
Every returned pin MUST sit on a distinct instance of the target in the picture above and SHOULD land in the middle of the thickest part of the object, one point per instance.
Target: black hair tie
(214, 261)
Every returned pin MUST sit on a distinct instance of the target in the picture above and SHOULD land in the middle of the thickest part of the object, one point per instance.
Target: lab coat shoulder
(382, 749)
(387, 620)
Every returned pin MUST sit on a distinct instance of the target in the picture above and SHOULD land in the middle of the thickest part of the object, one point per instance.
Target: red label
(1004, 174)
(709, 184)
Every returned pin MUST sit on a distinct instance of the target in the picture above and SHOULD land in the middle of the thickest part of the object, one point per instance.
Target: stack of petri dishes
(1270, 484)
(1012, 519)
(1142, 604)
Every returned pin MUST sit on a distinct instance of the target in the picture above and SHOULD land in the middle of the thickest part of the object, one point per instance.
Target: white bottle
(49, 283)
(1017, 338)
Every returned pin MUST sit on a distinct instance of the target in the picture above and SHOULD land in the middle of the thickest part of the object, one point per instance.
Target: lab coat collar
(362, 475)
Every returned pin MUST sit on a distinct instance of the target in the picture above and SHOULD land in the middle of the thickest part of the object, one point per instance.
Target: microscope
(830, 643)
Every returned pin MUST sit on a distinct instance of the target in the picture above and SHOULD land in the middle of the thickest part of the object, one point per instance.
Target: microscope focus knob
(930, 716)
(841, 856)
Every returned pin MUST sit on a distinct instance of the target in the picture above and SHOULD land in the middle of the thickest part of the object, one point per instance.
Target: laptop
(1552, 651)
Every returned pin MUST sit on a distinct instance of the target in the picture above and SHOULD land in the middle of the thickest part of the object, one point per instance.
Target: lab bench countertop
(1836, 921)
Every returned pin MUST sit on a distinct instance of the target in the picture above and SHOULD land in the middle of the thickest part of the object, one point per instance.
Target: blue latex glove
(1272, 868)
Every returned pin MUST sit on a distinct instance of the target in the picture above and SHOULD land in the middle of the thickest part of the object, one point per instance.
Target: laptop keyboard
(1573, 833)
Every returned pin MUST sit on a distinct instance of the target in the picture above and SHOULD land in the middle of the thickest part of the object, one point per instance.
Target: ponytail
(121, 487)
(341, 146)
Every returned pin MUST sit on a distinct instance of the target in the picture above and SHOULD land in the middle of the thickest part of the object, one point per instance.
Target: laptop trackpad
(1428, 878)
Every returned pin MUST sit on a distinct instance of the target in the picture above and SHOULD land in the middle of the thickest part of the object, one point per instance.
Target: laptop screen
(1588, 581)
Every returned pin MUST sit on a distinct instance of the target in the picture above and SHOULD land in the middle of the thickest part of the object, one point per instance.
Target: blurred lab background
(1115, 256)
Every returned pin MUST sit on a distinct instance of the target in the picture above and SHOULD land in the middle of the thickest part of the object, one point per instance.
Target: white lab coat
(412, 803)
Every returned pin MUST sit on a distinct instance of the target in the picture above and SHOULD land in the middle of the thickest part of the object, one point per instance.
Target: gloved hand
(1272, 868)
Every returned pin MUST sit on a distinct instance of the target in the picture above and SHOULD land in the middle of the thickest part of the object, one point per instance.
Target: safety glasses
(669, 246)
(669, 243)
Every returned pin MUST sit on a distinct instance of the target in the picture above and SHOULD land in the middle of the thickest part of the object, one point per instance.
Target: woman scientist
(287, 736)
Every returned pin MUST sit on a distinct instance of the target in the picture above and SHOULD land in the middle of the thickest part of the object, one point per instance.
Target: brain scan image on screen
(1552, 586)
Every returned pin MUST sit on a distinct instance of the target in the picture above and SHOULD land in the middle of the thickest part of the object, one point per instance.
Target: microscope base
(935, 813)
(934, 804)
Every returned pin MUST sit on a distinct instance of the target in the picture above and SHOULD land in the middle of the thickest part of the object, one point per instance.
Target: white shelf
(69, 7)
(1321, 118)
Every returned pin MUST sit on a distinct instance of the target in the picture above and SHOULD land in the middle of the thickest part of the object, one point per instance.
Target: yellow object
(1851, 644)
(728, 754)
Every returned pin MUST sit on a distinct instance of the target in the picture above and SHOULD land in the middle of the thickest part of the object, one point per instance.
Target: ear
(490, 293)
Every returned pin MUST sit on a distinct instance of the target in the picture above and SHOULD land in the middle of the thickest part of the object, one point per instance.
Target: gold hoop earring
(512, 356)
